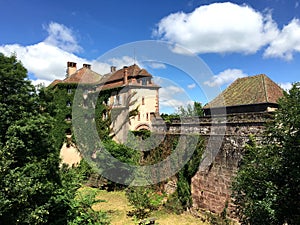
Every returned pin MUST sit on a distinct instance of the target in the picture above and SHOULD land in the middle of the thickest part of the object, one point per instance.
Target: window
(143, 100)
(69, 91)
(147, 116)
(69, 103)
(144, 81)
(139, 116)
(68, 118)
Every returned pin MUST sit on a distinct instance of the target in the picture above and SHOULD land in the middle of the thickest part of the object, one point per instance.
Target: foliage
(169, 117)
(267, 185)
(33, 189)
(83, 213)
(181, 199)
(185, 175)
(29, 164)
(144, 200)
(17, 95)
(191, 110)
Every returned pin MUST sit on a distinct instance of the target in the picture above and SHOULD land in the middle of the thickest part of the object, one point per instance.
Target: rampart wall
(225, 138)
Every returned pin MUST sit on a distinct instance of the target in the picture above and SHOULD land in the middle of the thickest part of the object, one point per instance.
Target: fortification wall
(225, 143)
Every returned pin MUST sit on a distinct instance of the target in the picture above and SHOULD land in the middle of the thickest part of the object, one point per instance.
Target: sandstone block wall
(211, 184)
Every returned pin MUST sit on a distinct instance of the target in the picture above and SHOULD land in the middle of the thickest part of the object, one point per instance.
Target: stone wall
(225, 142)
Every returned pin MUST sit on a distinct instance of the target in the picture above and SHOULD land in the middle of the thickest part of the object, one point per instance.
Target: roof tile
(248, 90)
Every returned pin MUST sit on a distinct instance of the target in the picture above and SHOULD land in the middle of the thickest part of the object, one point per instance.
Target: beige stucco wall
(150, 106)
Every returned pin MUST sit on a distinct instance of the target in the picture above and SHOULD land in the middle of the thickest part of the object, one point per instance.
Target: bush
(144, 200)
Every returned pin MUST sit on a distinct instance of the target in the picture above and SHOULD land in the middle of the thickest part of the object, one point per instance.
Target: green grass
(117, 207)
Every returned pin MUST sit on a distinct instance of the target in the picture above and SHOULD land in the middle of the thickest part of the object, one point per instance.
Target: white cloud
(219, 28)
(169, 91)
(157, 65)
(286, 43)
(47, 60)
(171, 95)
(45, 83)
(286, 86)
(62, 37)
(225, 77)
(191, 86)
(123, 61)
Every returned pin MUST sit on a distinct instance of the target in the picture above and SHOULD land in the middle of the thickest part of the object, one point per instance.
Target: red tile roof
(132, 71)
(53, 83)
(248, 90)
(83, 75)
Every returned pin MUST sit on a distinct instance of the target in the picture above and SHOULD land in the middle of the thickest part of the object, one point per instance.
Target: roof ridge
(263, 76)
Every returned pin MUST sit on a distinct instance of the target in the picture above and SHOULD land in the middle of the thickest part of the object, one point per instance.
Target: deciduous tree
(267, 186)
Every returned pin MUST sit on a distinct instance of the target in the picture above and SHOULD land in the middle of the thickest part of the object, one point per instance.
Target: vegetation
(144, 200)
(181, 200)
(33, 188)
(117, 207)
(191, 110)
(267, 185)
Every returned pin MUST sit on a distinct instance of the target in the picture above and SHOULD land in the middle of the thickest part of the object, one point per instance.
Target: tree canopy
(33, 188)
(267, 187)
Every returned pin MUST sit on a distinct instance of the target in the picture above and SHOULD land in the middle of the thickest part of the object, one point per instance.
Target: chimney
(71, 68)
(125, 69)
(113, 69)
(88, 66)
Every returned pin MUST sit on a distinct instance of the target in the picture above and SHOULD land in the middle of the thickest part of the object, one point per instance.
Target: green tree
(29, 165)
(267, 187)
(191, 110)
(33, 188)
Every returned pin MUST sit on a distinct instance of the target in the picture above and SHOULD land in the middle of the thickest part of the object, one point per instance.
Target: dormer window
(144, 81)
(68, 103)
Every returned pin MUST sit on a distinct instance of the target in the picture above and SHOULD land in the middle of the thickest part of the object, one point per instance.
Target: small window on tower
(139, 116)
(143, 100)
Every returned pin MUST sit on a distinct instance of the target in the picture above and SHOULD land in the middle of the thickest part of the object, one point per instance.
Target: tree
(191, 110)
(17, 95)
(33, 188)
(267, 187)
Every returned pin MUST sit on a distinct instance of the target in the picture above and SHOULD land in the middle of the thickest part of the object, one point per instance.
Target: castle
(248, 104)
(134, 88)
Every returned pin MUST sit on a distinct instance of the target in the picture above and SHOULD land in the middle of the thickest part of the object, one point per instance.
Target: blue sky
(233, 38)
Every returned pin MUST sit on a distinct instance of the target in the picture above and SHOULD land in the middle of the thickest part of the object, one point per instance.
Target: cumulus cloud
(219, 28)
(62, 37)
(123, 61)
(225, 77)
(157, 65)
(171, 95)
(286, 86)
(191, 86)
(286, 43)
(47, 60)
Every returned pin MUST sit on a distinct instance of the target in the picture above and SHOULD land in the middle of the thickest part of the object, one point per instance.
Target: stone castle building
(133, 100)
